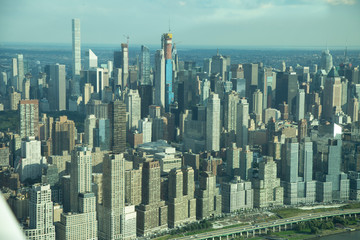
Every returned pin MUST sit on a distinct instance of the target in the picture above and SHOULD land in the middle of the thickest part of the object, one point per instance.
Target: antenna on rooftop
(169, 25)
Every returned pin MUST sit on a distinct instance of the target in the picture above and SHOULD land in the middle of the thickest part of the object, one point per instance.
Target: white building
(91, 60)
(31, 162)
(145, 127)
(213, 123)
(133, 108)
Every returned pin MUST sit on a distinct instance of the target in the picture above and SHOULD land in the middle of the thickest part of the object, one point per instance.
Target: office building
(133, 109)
(213, 123)
(332, 94)
(91, 60)
(117, 116)
(145, 127)
(326, 61)
(230, 112)
(257, 98)
(300, 105)
(57, 85)
(41, 225)
(251, 76)
(29, 118)
(63, 135)
(242, 123)
(90, 125)
(124, 62)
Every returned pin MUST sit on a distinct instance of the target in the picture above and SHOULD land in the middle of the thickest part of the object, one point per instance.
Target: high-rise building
(146, 95)
(41, 214)
(112, 224)
(90, 125)
(267, 190)
(57, 85)
(76, 47)
(31, 161)
(160, 79)
(205, 92)
(300, 105)
(15, 98)
(81, 170)
(124, 62)
(242, 123)
(91, 60)
(133, 108)
(63, 135)
(29, 118)
(145, 66)
(117, 116)
(166, 42)
(286, 89)
(246, 161)
(233, 160)
(230, 111)
(326, 61)
(145, 127)
(20, 71)
(213, 123)
(251, 76)
(257, 98)
(332, 94)
(152, 213)
(236, 195)
(181, 202)
(208, 198)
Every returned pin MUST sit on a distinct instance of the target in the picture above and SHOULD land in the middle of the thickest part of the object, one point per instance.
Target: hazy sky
(193, 22)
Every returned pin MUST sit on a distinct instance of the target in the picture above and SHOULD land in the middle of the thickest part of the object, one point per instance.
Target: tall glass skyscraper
(145, 66)
(166, 41)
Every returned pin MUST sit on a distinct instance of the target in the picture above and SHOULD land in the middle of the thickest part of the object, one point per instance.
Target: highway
(279, 224)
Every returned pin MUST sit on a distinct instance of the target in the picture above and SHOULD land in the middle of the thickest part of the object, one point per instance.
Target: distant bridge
(276, 225)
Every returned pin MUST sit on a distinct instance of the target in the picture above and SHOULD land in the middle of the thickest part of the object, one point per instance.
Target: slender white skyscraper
(91, 60)
(133, 108)
(213, 123)
(21, 74)
(160, 78)
(76, 47)
(300, 105)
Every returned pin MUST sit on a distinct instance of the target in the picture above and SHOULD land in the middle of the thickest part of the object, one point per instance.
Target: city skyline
(273, 23)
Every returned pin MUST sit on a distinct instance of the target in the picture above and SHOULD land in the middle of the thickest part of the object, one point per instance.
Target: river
(346, 235)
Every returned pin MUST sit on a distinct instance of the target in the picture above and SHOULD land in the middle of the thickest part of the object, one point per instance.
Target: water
(347, 235)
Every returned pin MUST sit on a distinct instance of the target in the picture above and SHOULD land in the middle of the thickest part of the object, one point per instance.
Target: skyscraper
(81, 170)
(113, 197)
(258, 104)
(242, 123)
(326, 60)
(57, 83)
(63, 135)
(166, 41)
(117, 116)
(29, 118)
(90, 125)
(20, 71)
(213, 123)
(300, 105)
(152, 213)
(76, 47)
(230, 111)
(91, 60)
(41, 214)
(332, 94)
(125, 64)
(160, 78)
(133, 108)
(145, 66)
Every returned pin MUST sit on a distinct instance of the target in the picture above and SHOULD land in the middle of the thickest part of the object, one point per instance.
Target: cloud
(341, 2)
(182, 3)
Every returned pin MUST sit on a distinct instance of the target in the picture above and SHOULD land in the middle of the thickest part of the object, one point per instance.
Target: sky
(276, 23)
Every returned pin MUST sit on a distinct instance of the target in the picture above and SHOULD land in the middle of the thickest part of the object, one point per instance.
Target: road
(270, 225)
